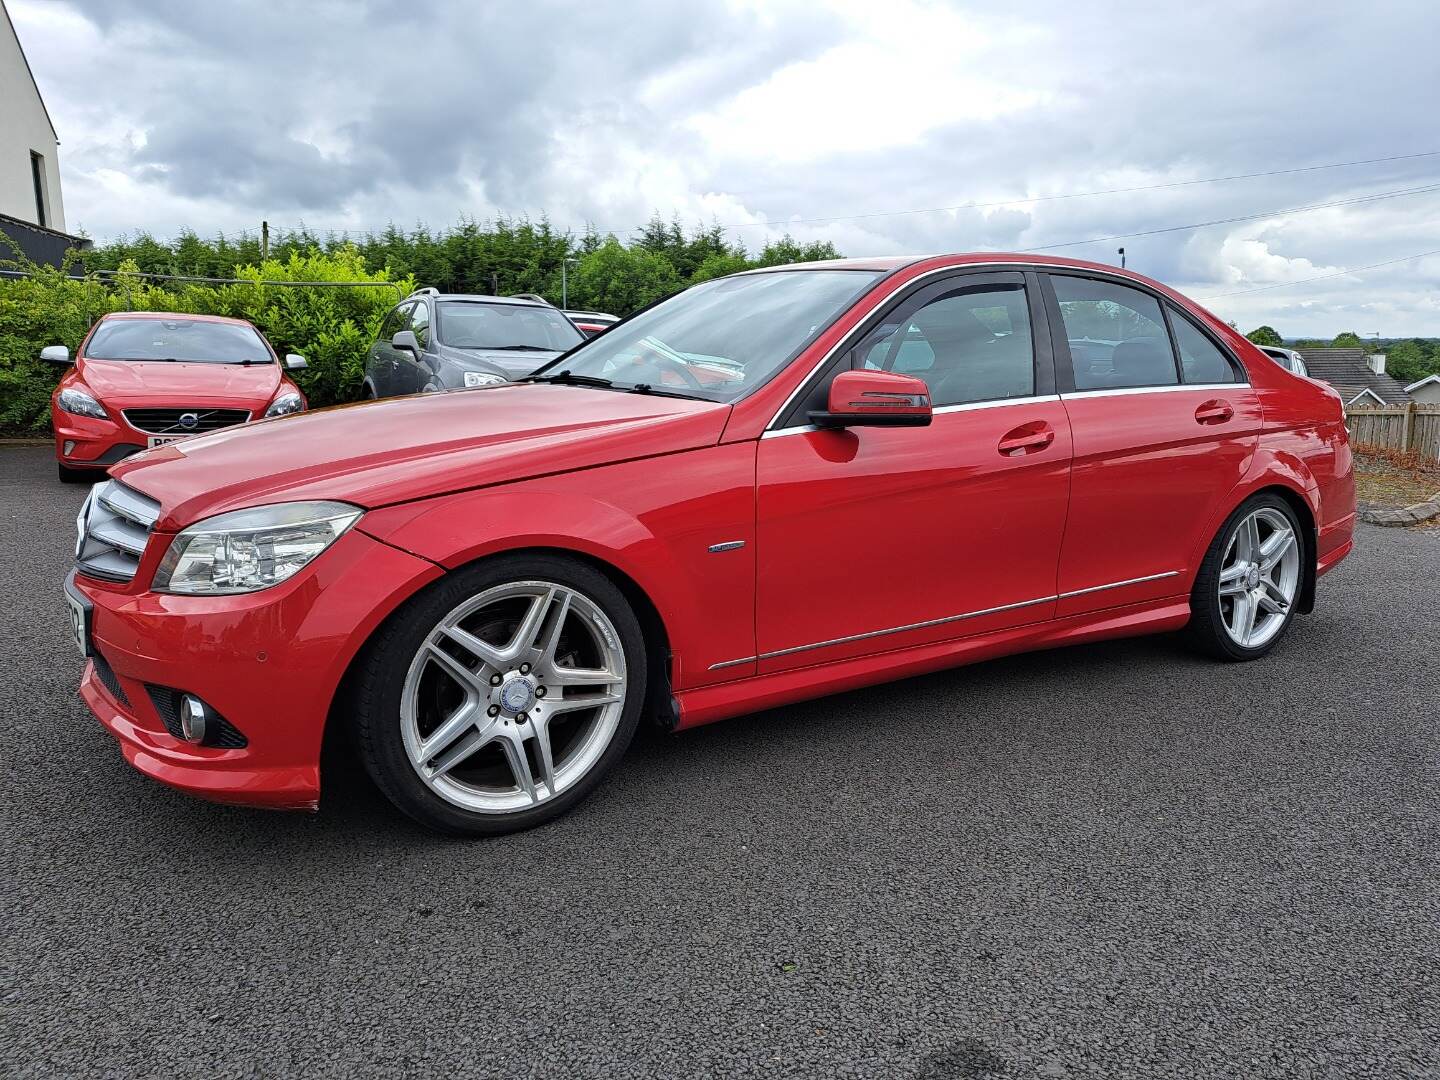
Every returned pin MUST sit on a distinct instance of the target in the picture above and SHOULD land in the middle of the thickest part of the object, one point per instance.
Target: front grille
(114, 526)
(221, 733)
(106, 675)
(184, 421)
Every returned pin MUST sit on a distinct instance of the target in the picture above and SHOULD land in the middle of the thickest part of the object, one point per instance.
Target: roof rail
(427, 290)
(531, 296)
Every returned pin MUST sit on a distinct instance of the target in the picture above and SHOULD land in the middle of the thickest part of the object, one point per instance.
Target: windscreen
(177, 340)
(721, 338)
(470, 325)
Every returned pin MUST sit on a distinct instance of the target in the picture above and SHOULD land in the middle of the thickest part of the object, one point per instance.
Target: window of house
(1117, 335)
(37, 175)
(971, 345)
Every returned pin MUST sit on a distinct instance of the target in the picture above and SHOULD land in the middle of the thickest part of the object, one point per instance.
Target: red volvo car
(145, 378)
(773, 486)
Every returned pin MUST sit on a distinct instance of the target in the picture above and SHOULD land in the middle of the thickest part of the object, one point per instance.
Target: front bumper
(89, 442)
(268, 662)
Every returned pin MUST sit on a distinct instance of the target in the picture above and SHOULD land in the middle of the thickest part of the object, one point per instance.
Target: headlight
(249, 550)
(285, 405)
(80, 403)
(483, 378)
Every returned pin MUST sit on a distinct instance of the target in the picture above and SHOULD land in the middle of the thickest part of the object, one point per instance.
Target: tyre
(498, 698)
(78, 476)
(1245, 593)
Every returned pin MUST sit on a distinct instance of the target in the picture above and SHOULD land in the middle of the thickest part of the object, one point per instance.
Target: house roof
(26, 60)
(1348, 372)
(1423, 382)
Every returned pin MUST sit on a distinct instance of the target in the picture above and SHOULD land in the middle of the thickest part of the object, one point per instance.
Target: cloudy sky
(765, 115)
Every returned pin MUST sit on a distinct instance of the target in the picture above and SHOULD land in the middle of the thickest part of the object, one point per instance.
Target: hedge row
(332, 327)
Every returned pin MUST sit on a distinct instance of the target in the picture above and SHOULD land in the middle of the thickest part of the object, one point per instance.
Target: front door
(879, 538)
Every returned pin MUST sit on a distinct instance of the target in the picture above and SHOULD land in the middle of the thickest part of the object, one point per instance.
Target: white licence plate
(79, 623)
(160, 440)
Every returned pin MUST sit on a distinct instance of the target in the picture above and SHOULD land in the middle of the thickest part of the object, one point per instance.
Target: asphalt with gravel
(1117, 860)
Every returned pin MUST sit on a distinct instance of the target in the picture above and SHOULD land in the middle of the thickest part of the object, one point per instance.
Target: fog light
(69, 447)
(193, 718)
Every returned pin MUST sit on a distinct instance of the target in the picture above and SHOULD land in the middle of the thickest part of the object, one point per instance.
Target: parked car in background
(1289, 359)
(592, 322)
(434, 341)
(790, 482)
(141, 379)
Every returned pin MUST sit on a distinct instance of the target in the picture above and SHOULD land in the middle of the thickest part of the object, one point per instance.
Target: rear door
(1165, 425)
(872, 539)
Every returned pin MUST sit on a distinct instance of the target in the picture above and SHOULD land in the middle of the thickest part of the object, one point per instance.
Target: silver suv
(437, 341)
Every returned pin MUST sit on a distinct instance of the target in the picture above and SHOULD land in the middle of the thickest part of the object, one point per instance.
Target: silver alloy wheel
(513, 697)
(1259, 577)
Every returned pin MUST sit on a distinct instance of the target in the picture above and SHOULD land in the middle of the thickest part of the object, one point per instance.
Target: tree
(1348, 340)
(618, 279)
(1265, 335)
(1407, 361)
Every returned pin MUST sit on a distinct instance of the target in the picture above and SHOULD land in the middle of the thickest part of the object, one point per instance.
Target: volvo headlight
(77, 401)
(249, 550)
(285, 405)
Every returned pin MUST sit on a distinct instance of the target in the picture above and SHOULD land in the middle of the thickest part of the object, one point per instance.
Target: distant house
(1426, 391)
(32, 212)
(1359, 376)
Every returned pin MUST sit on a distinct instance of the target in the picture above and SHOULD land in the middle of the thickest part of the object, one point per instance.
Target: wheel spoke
(481, 650)
(514, 746)
(1232, 580)
(527, 635)
(584, 701)
(1248, 539)
(1242, 619)
(451, 728)
(1271, 599)
(455, 669)
(458, 751)
(552, 635)
(568, 676)
(1275, 547)
(541, 727)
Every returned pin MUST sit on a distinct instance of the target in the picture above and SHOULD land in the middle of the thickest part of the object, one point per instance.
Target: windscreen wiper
(509, 348)
(568, 376)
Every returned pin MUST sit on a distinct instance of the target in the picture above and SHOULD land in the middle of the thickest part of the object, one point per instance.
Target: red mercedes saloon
(145, 378)
(777, 485)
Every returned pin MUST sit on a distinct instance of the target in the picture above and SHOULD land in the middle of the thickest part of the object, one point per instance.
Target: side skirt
(706, 704)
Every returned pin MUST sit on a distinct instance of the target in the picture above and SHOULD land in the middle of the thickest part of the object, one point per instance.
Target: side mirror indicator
(875, 399)
(55, 354)
(295, 362)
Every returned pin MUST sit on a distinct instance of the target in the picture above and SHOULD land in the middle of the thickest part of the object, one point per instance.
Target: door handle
(1027, 439)
(1214, 412)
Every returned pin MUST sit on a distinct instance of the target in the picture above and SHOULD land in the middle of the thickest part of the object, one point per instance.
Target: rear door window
(1117, 335)
(1201, 360)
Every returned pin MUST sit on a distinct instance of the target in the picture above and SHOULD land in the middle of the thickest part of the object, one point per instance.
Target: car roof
(892, 263)
(177, 316)
(481, 298)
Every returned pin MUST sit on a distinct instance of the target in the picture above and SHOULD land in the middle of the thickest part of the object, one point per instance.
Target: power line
(1082, 194)
(1242, 217)
(1323, 277)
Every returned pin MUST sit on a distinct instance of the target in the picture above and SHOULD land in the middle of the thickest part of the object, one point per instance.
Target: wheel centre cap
(1252, 578)
(517, 695)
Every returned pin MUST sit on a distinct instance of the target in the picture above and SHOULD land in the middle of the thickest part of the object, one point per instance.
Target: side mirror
(295, 362)
(875, 399)
(405, 339)
(55, 354)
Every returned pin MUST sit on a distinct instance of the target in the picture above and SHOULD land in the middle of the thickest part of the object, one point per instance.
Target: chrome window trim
(940, 622)
(1119, 391)
(964, 406)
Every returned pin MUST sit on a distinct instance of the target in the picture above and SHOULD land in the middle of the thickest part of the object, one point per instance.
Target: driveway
(1115, 860)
